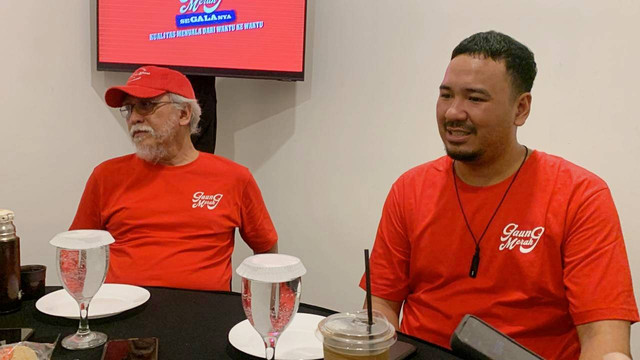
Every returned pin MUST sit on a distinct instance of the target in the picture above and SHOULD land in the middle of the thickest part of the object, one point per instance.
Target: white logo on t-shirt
(527, 239)
(201, 200)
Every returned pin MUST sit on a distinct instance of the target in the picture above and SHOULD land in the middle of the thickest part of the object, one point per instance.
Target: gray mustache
(141, 127)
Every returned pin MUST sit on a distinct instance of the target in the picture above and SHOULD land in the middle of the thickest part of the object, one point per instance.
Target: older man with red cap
(172, 210)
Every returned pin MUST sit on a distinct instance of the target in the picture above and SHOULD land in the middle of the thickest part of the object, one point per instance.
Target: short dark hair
(518, 59)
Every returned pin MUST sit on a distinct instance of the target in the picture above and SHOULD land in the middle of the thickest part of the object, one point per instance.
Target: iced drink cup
(347, 336)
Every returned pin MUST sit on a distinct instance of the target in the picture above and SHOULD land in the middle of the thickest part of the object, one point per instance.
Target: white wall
(324, 151)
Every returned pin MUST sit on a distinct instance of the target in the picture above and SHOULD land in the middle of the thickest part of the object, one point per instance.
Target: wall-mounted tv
(234, 38)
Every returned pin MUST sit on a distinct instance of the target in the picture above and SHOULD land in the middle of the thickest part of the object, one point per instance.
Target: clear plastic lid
(82, 239)
(351, 331)
(271, 268)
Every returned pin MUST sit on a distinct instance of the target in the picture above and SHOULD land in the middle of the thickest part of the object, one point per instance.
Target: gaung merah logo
(208, 6)
(139, 74)
(203, 12)
(200, 200)
(525, 239)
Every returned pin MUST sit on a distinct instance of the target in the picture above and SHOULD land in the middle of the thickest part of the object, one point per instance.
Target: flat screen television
(234, 38)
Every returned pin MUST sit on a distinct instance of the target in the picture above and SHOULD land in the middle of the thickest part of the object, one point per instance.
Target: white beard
(151, 153)
(155, 151)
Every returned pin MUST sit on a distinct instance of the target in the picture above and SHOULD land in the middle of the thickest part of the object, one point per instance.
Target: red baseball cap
(148, 82)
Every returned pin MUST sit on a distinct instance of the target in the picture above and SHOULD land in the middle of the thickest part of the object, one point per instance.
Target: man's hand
(390, 309)
(600, 338)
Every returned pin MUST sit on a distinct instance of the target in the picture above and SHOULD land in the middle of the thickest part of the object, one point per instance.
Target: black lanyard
(473, 271)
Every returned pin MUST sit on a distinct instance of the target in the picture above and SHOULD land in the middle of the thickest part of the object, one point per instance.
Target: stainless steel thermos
(9, 263)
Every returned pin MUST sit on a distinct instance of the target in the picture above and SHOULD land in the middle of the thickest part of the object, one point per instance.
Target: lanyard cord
(473, 271)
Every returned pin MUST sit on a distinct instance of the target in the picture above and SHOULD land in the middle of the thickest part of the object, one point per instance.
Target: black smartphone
(474, 339)
(14, 335)
(401, 350)
(131, 349)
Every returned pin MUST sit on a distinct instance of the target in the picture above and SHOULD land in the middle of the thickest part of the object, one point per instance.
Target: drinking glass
(270, 307)
(82, 272)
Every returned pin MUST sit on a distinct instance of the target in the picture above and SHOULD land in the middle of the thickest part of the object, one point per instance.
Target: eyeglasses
(143, 108)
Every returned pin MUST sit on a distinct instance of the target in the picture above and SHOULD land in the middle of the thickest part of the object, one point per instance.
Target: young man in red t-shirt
(527, 241)
(172, 210)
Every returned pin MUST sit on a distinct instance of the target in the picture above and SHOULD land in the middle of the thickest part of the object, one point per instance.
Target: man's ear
(523, 107)
(185, 115)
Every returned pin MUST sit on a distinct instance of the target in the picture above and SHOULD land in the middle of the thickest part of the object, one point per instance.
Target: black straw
(368, 282)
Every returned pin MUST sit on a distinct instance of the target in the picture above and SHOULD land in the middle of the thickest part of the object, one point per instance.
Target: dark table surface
(189, 325)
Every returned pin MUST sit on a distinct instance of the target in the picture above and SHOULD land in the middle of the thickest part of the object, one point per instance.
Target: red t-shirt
(174, 225)
(553, 257)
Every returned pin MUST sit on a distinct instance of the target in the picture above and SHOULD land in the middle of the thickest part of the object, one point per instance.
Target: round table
(188, 324)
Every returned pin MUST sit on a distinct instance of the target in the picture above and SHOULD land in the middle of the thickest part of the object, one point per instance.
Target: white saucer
(297, 342)
(111, 299)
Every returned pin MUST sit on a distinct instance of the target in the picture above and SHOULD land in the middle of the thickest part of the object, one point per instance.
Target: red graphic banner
(264, 35)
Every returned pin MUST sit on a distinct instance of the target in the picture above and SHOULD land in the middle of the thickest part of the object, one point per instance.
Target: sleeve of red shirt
(256, 229)
(88, 214)
(389, 262)
(596, 269)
